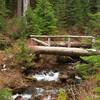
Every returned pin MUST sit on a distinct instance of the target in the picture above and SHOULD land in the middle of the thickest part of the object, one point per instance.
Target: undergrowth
(91, 68)
(5, 94)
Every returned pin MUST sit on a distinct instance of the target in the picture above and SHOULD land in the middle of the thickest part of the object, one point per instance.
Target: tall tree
(2, 15)
(71, 12)
(2, 7)
(42, 19)
(93, 6)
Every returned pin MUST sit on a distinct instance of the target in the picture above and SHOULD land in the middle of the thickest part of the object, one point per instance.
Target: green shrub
(95, 60)
(89, 69)
(5, 94)
(21, 55)
(24, 56)
(62, 95)
(94, 22)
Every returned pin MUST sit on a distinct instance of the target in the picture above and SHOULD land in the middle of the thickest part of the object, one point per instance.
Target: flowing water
(45, 93)
(47, 76)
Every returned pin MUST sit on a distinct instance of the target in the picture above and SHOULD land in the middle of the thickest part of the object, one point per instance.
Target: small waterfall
(47, 76)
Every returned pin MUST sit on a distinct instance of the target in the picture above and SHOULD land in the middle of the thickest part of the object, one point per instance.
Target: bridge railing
(69, 37)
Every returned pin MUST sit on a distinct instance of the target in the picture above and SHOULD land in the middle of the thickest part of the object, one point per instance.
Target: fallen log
(65, 51)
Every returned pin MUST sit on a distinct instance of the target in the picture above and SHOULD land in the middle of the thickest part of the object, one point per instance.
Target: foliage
(2, 16)
(62, 95)
(89, 69)
(94, 21)
(18, 27)
(22, 55)
(2, 7)
(41, 20)
(2, 23)
(71, 12)
(5, 94)
(95, 60)
(10, 7)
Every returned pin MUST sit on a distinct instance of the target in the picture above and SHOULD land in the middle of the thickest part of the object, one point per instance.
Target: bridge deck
(45, 45)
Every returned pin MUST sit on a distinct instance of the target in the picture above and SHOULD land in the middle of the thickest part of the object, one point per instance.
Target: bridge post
(49, 41)
(93, 41)
(69, 42)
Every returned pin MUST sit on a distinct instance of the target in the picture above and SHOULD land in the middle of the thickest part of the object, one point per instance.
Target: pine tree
(2, 15)
(71, 12)
(42, 19)
(2, 7)
(93, 6)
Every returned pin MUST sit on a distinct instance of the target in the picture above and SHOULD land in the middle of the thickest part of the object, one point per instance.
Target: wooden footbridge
(64, 45)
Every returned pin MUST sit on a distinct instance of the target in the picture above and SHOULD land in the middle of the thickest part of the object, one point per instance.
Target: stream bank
(44, 80)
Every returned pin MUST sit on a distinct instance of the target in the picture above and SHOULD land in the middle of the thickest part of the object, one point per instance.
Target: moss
(5, 94)
(62, 95)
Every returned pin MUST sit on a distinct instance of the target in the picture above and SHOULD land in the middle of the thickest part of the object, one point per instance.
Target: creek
(37, 92)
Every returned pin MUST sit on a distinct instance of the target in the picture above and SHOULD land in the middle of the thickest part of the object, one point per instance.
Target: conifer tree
(2, 15)
(42, 19)
(71, 12)
(2, 7)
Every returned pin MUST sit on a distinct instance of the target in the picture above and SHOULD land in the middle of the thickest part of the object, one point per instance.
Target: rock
(78, 79)
(19, 98)
(36, 97)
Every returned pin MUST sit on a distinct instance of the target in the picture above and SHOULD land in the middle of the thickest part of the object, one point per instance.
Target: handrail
(63, 36)
(59, 36)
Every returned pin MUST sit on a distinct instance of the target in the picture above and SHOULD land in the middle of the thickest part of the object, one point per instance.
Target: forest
(49, 49)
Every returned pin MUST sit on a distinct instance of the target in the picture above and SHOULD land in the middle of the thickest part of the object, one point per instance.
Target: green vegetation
(2, 15)
(48, 17)
(91, 68)
(5, 94)
(97, 89)
(20, 26)
(2, 23)
(41, 20)
(22, 55)
(97, 45)
(62, 95)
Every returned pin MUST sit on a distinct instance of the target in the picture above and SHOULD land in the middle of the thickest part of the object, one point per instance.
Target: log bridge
(66, 45)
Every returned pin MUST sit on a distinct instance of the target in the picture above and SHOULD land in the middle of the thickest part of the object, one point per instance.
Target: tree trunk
(25, 6)
(19, 7)
(64, 51)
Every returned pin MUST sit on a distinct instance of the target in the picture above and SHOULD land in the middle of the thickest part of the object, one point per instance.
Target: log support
(65, 51)
(48, 48)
